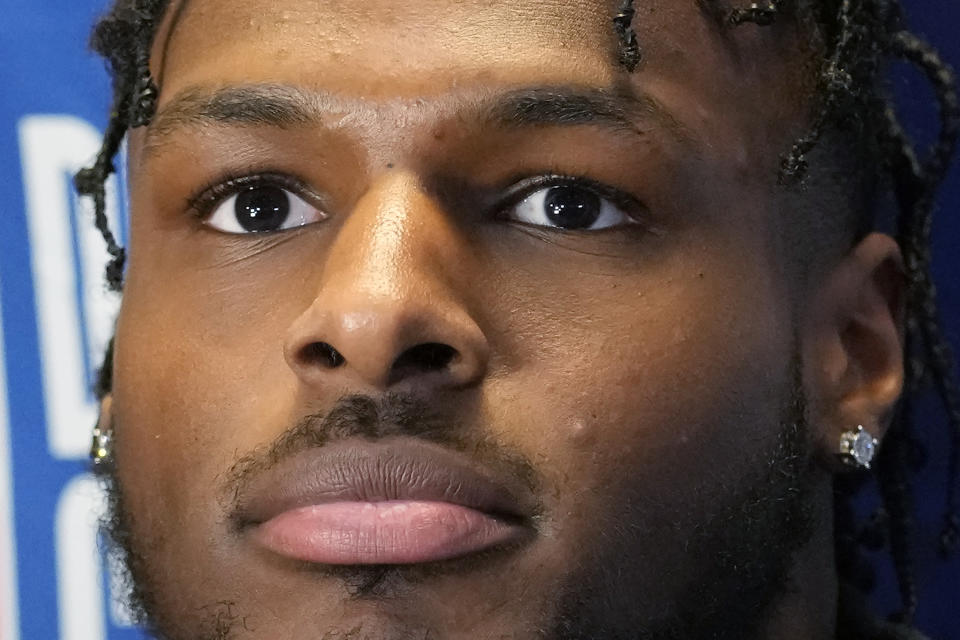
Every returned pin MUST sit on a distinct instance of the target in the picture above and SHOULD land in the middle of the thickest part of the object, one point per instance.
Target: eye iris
(262, 209)
(572, 207)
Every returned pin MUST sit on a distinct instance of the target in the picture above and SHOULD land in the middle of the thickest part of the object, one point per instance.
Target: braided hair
(865, 33)
(860, 37)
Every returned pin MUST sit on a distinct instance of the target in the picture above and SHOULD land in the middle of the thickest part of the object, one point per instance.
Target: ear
(852, 341)
(105, 419)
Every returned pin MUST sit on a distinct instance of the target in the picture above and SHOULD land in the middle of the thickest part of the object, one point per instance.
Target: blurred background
(55, 318)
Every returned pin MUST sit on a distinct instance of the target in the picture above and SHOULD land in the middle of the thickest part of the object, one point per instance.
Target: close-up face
(440, 323)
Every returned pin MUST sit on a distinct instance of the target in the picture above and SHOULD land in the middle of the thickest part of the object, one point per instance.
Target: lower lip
(395, 532)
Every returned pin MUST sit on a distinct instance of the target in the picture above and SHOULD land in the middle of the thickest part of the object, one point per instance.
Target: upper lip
(368, 471)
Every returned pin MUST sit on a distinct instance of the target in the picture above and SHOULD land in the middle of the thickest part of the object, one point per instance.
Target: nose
(391, 307)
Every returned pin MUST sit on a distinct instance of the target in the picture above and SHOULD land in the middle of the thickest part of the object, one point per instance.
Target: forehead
(411, 46)
(742, 93)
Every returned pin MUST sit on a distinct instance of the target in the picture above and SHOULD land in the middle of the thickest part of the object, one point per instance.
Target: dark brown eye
(572, 207)
(261, 209)
(569, 207)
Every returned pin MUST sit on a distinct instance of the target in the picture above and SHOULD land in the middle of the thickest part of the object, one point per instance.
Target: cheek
(199, 362)
(195, 386)
(650, 382)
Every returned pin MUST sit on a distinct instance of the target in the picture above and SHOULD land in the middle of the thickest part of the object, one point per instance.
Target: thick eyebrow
(574, 106)
(284, 106)
(243, 105)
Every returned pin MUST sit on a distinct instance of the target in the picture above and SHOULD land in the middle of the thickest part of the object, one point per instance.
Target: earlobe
(853, 344)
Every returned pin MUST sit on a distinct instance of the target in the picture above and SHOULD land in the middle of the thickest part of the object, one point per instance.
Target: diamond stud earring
(101, 448)
(857, 448)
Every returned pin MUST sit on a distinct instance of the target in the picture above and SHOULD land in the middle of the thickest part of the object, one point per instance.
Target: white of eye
(569, 207)
(262, 209)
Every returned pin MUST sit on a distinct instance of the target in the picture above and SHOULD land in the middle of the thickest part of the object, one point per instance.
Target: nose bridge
(395, 251)
(389, 286)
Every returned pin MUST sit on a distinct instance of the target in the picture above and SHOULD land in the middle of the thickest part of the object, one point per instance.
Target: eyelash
(523, 188)
(217, 191)
(210, 196)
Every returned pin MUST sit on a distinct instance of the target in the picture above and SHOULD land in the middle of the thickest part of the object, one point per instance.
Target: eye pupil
(572, 207)
(262, 208)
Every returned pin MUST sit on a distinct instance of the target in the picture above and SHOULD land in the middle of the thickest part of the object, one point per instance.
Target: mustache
(370, 418)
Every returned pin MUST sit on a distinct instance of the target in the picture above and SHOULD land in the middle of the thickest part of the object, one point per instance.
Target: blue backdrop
(55, 319)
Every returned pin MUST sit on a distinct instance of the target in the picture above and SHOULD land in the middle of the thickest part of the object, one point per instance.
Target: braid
(146, 106)
(853, 60)
(915, 237)
(129, 27)
(92, 182)
(144, 88)
(911, 48)
(629, 53)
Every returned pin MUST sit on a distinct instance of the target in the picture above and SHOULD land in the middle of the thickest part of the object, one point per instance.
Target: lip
(393, 501)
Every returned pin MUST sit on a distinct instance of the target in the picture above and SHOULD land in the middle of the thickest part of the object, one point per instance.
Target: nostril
(423, 358)
(323, 354)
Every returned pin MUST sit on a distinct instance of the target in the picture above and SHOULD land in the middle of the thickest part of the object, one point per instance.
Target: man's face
(524, 363)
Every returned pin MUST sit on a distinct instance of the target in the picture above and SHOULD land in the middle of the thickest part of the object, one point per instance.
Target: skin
(646, 371)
